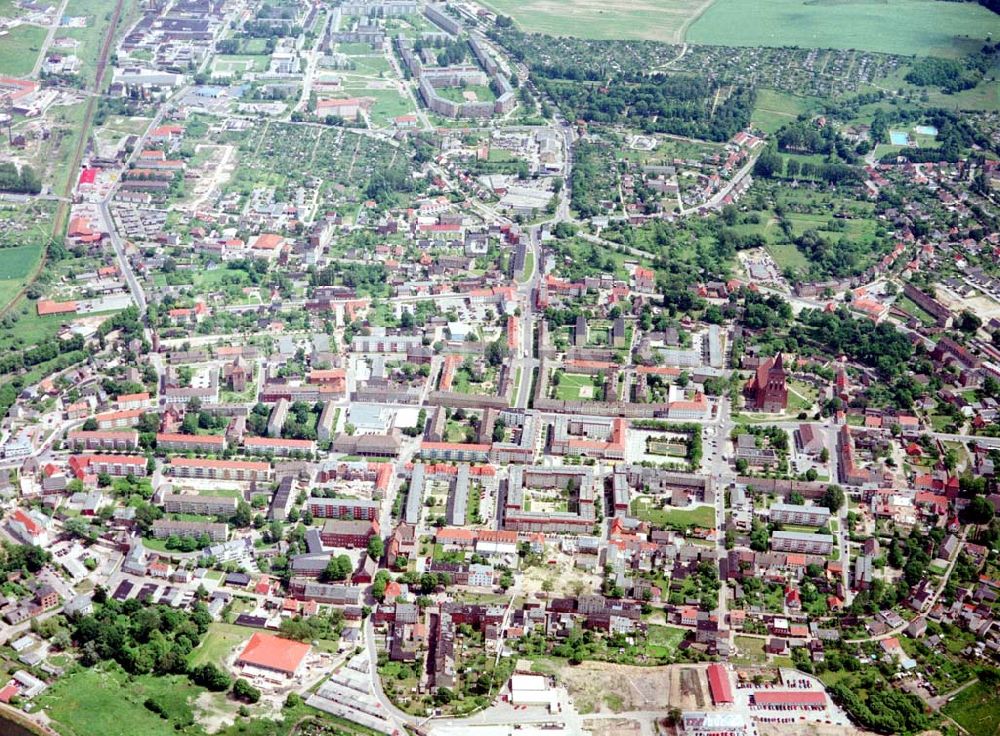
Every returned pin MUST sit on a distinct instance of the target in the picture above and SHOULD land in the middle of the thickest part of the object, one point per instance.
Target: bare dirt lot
(810, 729)
(598, 687)
(612, 727)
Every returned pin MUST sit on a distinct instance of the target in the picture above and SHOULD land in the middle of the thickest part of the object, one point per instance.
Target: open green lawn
(575, 387)
(15, 265)
(664, 20)
(219, 643)
(106, 701)
(701, 516)
(19, 50)
(976, 709)
(457, 94)
(924, 27)
(240, 63)
(389, 104)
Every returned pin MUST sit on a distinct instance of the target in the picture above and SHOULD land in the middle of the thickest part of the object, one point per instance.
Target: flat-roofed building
(232, 470)
(788, 513)
(191, 442)
(163, 528)
(342, 508)
(815, 544)
(188, 503)
(122, 439)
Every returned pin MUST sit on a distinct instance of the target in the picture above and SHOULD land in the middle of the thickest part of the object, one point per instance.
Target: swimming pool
(899, 138)
(926, 130)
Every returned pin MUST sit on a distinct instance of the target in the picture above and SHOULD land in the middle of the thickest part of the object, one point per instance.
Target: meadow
(919, 27)
(19, 50)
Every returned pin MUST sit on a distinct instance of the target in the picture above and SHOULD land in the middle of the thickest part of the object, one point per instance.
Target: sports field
(923, 27)
(655, 20)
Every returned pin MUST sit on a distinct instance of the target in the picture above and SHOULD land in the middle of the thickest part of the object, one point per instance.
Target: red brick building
(349, 532)
(767, 389)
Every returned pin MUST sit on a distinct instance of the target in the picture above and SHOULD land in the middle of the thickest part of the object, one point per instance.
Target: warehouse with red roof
(718, 684)
(789, 699)
(272, 654)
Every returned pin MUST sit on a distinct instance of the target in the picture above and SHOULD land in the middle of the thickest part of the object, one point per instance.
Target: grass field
(923, 27)
(662, 641)
(774, 109)
(19, 50)
(751, 650)
(575, 387)
(15, 265)
(976, 709)
(701, 516)
(219, 643)
(664, 20)
(108, 702)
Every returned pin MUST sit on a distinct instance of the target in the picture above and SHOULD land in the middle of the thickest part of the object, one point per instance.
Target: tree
(375, 548)
(338, 568)
(211, 677)
(243, 517)
(243, 690)
(980, 511)
(833, 498)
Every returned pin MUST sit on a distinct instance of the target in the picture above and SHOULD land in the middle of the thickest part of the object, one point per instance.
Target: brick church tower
(767, 391)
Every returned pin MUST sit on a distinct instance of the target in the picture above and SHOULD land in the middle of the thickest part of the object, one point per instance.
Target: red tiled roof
(718, 684)
(274, 653)
(785, 697)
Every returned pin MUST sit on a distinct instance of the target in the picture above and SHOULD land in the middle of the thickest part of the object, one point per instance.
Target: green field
(976, 709)
(664, 20)
(19, 50)
(15, 266)
(242, 63)
(701, 516)
(662, 641)
(110, 703)
(219, 643)
(924, 27)
(774, 109)
(570, 385)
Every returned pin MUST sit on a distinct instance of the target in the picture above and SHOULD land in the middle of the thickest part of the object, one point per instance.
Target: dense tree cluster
(880, 346)
(141, 638)
(25, 181)
(657, 103)
(883, 709)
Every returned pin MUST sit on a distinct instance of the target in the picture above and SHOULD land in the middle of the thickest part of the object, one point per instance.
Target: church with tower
(767, 390)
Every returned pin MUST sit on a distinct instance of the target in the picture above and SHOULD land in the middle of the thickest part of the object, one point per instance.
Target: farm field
(19, 50)
(923, 27)
(664, 20)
